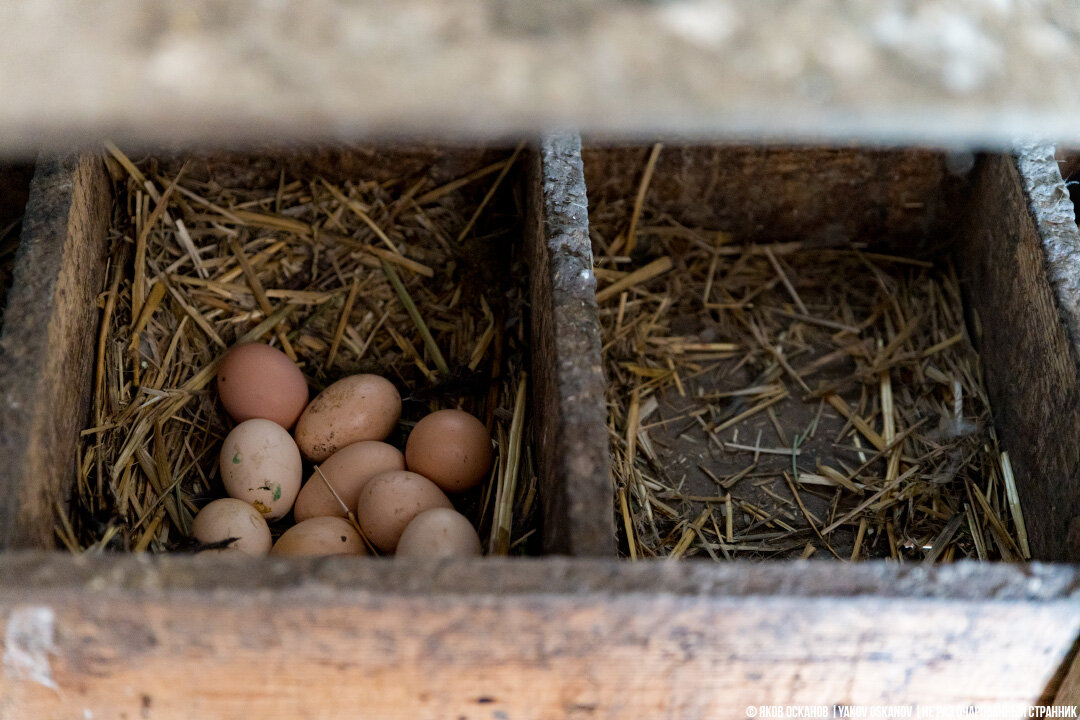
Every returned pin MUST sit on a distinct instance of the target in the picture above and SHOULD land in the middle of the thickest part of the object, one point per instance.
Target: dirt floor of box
(781, 400)
(399, 262)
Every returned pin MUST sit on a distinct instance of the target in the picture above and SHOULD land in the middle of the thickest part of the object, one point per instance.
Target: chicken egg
(451, 448)
(258, 381)
(260, 464)
(439, 533)
(320, 536)
(231, 518)
(390, 500)
(359, 407)
(346, 471)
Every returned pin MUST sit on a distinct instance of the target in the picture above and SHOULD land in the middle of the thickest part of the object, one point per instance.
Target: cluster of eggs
(399, 500)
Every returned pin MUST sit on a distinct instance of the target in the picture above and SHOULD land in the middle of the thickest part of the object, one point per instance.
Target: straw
(243, 251)
(831, 391)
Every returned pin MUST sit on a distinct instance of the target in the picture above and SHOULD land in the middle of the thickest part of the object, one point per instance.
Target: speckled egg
(261, 465)
(359, 407)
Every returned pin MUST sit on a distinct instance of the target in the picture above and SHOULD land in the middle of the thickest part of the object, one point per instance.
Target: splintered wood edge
(227, 637)
(469, 69)
(1055, 217)
(47, 346)
(567, 370)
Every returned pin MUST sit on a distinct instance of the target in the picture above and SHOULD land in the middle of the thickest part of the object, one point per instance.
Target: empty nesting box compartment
(403, 262)
(824, 352)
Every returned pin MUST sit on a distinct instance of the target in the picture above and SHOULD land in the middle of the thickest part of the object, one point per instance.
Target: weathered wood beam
(210, 71)
(48, 344)
(1019, 259)
(213, 637)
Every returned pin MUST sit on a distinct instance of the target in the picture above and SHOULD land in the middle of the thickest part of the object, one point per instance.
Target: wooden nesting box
(578, 633)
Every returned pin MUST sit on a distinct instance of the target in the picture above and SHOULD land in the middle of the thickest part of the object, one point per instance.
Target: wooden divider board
(571, 428)
(183, 637)
(48, 344)
(1019, 260)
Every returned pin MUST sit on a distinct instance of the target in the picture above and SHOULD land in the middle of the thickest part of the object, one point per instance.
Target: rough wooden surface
(47, 346)
(567, 372)
(1068, 692)
(1019, 259)
(182, 637)
(216, 70)
(903, 198)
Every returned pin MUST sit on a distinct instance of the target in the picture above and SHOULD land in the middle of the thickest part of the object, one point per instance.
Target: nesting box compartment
(577, 633)
(730, 248)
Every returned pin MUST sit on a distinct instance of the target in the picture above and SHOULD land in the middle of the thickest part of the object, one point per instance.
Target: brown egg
(359, 407)
(389, 501)
(231, 518)
(320, 536)
(439, 533)
(261, 465)
(451, 448)
(346, 470)
(258, 381)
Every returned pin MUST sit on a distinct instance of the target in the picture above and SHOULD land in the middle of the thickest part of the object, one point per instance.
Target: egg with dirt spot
(261, 465)
(319, 537)
(359, 407)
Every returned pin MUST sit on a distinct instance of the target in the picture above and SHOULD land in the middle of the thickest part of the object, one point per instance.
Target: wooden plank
(943, 71)
(1069, 691)
(182, 637)
(47, 349)
(568, 377)
(833, 195)
(1019, 257)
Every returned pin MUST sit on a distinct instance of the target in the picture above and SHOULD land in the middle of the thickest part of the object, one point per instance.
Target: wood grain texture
(1069, 691)
(904, 198)
(941, 71)
(1019, 259)
(567, 373)
(182, 637)
(47, 345)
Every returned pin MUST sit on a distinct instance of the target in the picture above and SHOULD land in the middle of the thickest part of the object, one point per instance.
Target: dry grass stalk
(355, 276)
(832, 393)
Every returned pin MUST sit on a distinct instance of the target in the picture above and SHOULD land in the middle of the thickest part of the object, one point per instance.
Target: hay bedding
(416, 277)
(772, 401)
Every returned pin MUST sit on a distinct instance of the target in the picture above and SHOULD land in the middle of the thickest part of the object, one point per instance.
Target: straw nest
(776, 400)
(414, 277)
